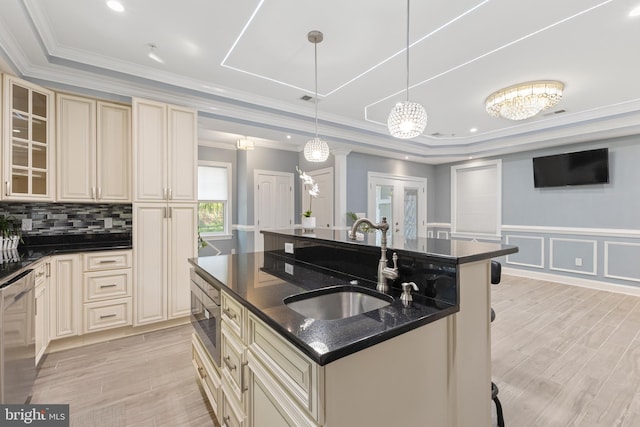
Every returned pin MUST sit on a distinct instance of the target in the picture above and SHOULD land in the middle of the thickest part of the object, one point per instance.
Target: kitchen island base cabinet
(207, 373)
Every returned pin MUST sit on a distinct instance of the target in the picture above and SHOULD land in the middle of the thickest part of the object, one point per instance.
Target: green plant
(201, 242)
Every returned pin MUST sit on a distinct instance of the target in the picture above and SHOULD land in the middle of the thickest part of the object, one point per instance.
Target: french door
(403, 200)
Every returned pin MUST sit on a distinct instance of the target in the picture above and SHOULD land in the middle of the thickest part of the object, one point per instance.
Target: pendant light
(316, 150)
(407, 119)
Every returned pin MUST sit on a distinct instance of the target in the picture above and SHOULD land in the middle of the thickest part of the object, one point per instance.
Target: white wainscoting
(607, 260)
(594, 260)
(540, 239)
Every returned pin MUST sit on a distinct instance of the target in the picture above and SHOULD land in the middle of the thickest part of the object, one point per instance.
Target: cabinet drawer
(232, 416)
(108, 260)
(100, 285)
(107, 314)
(297, 373)
(233, 313)
(207, 374)
(232, 362)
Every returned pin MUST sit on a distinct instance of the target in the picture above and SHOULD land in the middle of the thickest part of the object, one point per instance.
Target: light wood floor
(565, 356)
(143, 381)
(562, 356)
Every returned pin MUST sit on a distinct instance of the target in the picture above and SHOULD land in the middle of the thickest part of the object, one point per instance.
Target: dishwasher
(17, 338)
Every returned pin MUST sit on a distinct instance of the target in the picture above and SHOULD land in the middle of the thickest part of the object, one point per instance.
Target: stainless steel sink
(337, 302)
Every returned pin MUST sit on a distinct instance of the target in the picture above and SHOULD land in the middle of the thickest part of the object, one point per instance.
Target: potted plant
(9, 232)
(309, 185)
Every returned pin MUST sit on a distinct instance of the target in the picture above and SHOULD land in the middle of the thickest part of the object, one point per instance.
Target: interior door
(273, 203)
(403, 200)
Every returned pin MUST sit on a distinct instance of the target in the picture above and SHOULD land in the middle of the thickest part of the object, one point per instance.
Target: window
(476, 200)
(214, 199)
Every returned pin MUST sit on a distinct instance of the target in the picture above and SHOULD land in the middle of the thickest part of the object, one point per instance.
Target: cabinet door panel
(76, 148)
(183, 154)
(150, 150)
(65, 297)
(183, 230)
(28, 141)
(150, 259)
(113, 145)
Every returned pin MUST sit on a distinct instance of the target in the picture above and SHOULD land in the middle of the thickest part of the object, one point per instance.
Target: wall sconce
(245, 144)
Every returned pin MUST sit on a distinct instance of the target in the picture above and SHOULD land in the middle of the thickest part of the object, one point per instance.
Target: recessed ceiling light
(288, 136)
(406, 157)
(473, 130)
(115, 5)
(635, 11)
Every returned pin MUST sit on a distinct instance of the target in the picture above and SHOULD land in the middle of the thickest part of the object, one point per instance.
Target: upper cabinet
(165, 152)
(28, 141)
(94, 150)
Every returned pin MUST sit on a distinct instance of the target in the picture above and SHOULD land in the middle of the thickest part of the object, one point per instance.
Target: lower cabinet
(107, 290)
(207, 373)
(42, 307)
(266, 382)
(65, 296)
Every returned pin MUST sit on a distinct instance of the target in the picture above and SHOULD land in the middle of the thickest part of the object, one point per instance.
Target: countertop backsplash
(50, 219)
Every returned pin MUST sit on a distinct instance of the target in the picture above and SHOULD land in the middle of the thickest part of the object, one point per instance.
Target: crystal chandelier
(407, 119)
(316, 150)
(521, 101)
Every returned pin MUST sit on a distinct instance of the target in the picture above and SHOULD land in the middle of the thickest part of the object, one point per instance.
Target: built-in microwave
(206, 314)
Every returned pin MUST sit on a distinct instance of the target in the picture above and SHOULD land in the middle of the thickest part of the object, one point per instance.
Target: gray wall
(570, 231)
(358, 166)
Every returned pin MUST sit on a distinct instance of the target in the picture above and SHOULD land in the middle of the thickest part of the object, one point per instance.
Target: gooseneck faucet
(384, 271)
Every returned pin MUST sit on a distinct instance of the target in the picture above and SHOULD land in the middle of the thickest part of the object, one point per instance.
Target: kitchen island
(426, 363)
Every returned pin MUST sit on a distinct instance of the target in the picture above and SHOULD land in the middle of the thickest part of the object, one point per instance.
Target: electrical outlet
(579, 262)
(108, 223)
(288, 248)
(27, 224)
(288, 268)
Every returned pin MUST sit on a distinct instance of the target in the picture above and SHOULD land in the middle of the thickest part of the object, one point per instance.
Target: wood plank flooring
(565, 356)
(141, 381)
(562, 356)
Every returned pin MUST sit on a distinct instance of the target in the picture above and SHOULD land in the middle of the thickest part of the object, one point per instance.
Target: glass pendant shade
(316, 150)
(524, 100)
(407, 120)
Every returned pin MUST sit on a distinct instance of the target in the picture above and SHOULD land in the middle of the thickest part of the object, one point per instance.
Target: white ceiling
(245, 64)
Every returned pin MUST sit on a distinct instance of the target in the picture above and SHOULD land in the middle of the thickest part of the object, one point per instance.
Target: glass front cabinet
(28, 141)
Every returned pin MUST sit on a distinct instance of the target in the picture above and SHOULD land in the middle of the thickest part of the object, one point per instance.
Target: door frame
(374, 177)
(258, 241)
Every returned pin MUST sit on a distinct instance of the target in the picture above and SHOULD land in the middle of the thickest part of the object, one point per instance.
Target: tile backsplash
(50, 219)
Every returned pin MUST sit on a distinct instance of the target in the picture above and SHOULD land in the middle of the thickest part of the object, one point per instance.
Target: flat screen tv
(579, 168)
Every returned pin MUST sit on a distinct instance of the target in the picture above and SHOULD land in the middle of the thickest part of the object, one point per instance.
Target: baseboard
(574, 281)
(111, 334)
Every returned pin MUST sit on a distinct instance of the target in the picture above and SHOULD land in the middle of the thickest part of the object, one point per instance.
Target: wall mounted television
(579, 168)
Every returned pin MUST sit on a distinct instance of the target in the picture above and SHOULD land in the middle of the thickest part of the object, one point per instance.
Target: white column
(340, 194)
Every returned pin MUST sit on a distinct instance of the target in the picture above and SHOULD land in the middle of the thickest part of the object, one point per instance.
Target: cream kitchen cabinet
(65, 295)
(42, 273)
(28, 141)
(94, 150)
(208, 373)
(164, 238)
(233, 360)
(107, 290)
(165, 152)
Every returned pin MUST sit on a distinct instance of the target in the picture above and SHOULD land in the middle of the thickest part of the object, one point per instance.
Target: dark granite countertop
(13, 262)
(455, 251)
(261, 281)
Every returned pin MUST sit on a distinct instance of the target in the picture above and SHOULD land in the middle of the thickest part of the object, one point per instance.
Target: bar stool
(496, 273)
